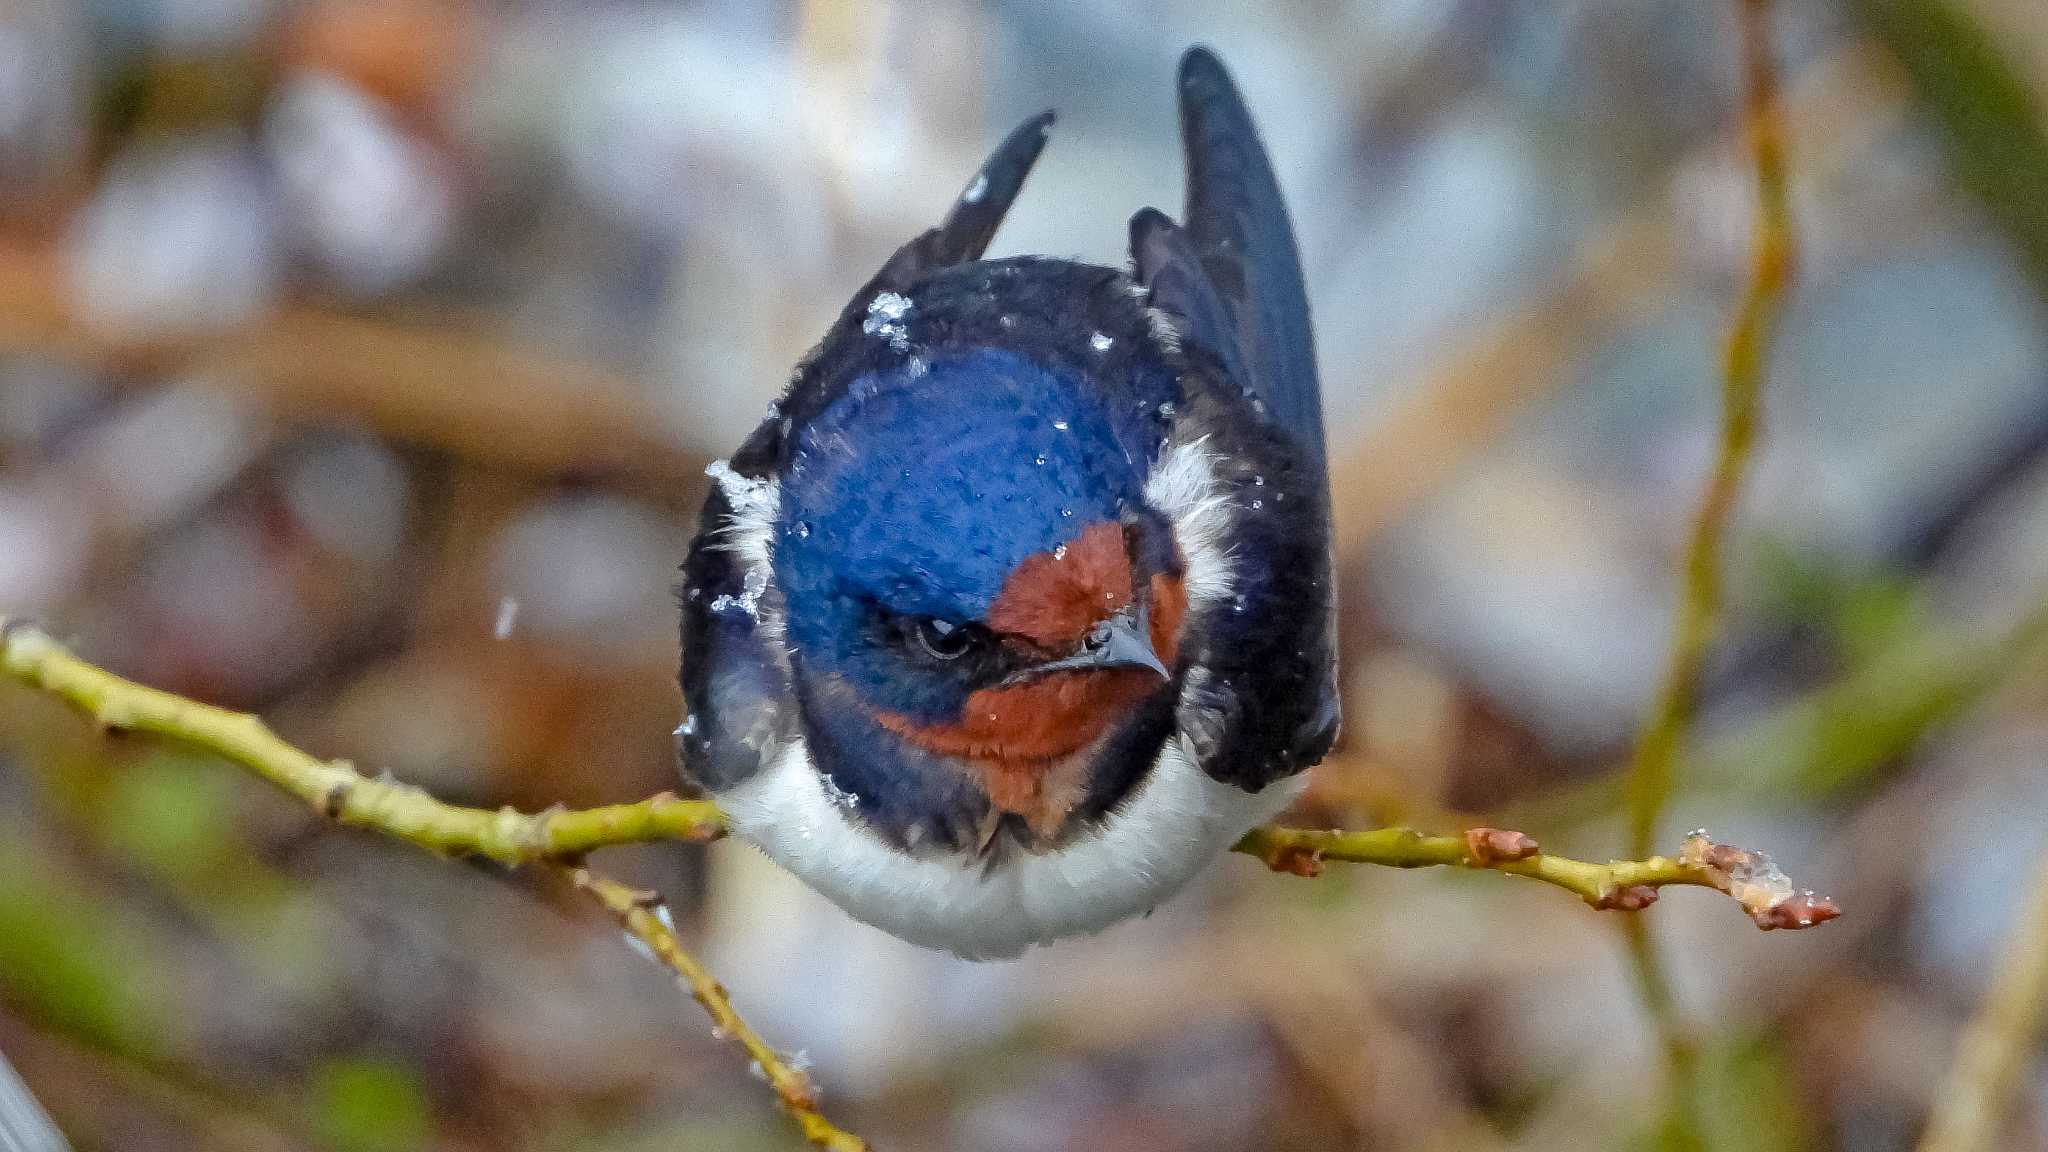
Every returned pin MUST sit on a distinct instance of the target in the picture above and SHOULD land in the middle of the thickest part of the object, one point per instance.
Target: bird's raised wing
(1231, 271)
(1229, 278)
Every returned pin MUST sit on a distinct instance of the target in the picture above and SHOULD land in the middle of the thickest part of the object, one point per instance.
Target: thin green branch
(512, 837)
(644, 915)
(1653, 771)
(1682, 1130)
(1749, 877)
(410, 814)
(1992, 1054)
(334, 786)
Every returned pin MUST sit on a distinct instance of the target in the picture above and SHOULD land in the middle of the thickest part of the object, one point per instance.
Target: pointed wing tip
(1201, 68)
(1014, 157)
(1145, 221)
(1210, 101)
(1030, 136)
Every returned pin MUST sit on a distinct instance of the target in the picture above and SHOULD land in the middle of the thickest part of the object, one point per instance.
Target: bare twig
(1994, 1049)
(509, 836)
(1627, 885)
(1653, 770)
(644, 916)
(334, 787)
(407, 813)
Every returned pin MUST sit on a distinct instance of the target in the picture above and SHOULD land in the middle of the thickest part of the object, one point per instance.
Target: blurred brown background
(359, 360)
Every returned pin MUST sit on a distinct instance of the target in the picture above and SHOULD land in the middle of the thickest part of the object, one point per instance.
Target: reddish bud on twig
(1499, 845)
(1296, 861)
(1626, 898)
(1756, 883)
(1801, 911)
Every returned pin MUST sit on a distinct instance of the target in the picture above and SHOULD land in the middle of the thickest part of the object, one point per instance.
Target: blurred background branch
(1993, 1052)
(1653, 769)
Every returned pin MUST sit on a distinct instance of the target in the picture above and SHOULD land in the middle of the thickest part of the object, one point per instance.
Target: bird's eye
(943, 639)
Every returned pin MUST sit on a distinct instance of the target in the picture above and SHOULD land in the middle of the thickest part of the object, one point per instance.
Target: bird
(1016, 610)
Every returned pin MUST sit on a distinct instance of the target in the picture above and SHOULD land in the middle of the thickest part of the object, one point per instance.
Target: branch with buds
(562, 837)
(557, 837)
(511, 837)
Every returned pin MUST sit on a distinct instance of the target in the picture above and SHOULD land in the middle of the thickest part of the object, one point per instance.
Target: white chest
(1172, 825)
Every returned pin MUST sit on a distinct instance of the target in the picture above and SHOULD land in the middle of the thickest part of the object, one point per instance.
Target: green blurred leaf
(1992, 127)
(1863, 610)
(69, 960)
(366, 1104)
(1840, 736)
(1751, 1098)
(171, 814)
(1749, 1101)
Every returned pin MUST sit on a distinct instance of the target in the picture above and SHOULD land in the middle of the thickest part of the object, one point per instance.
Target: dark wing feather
(1238, 225)
(1266, 704)
(979, 211)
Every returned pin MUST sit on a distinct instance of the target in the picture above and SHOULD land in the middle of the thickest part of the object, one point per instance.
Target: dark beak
(1122, 641)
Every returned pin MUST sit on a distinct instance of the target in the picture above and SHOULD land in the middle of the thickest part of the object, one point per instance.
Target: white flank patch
(1183, 487)
(1164, 333)
(749, 533)
(754, 504)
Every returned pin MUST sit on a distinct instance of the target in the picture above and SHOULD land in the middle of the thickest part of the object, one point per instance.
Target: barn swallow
(1017, 608)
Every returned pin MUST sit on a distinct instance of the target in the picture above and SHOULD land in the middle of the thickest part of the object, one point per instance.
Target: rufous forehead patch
(1054, 598)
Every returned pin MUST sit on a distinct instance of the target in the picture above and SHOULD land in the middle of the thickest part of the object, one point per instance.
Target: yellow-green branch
(513, 837)
(1628, 885)
(1653, 770)
(509, 836)
(563, 837)
(334, 786)
(645, 916)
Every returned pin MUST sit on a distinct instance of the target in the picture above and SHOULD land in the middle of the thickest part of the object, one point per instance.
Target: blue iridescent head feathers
(916, 495)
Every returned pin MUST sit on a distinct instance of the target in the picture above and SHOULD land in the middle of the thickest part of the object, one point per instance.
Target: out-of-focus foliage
(1991, 117)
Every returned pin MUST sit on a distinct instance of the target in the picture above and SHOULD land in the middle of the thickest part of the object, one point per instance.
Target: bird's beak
(1122, 641)
(1129, 645)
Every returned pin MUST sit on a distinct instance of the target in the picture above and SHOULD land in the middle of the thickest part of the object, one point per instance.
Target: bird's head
(967, 556)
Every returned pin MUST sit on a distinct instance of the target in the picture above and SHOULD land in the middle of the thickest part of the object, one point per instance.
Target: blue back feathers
(919, 490)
